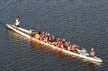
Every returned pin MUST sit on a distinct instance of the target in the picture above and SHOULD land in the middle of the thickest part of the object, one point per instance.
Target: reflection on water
(15, 35)
(92, 67)
(59, 54)
(45, 49)
(39, 47)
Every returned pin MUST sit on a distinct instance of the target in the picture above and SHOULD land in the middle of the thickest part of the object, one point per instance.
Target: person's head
(92, 49)
(39, 32)
(64, 40)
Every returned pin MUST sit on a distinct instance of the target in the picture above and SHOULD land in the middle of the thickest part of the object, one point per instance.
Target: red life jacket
(73, 47)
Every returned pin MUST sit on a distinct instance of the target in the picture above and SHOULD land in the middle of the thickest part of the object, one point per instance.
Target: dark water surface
(83, 22)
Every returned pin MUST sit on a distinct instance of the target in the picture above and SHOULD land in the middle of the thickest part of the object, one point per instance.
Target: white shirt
(17, 22)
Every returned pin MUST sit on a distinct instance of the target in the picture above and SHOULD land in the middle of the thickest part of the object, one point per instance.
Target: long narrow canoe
(26, 33)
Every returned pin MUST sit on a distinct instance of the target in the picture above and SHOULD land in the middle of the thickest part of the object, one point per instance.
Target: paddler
(73, 48)
(42, 36)
(37, 35)
(92, 52)
(62, 46)
(69, 47)
(46, 38)
(67, 44)
(83, 51)
(17, 23)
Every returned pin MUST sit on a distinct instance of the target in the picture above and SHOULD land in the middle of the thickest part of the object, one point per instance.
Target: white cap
(92, 48)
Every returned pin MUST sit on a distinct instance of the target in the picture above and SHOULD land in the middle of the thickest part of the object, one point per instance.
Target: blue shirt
(31, 30)
(83, 51)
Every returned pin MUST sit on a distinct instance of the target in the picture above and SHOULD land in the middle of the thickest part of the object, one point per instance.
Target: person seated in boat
(62, 45)
(17, 23)
(84, 51)
(67, 45)
(73, 48)
(53, 38)
(92, 52)
(58, 43)
(46, 38)
(37, 35)
(42, 36)
(50, 39)
(63, 41)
